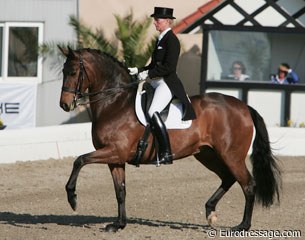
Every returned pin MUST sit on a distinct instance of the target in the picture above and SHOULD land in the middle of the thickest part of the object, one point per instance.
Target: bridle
(78, 94)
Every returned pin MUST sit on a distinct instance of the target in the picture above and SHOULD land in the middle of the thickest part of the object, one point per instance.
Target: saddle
(171, 116)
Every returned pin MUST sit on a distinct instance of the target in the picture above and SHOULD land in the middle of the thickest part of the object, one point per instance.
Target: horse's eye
(72, 73)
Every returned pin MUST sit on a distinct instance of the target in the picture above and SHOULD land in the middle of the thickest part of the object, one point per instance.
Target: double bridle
(78, 94)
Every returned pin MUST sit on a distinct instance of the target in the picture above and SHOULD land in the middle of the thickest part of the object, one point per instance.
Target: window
(19, 52)
(256, 55)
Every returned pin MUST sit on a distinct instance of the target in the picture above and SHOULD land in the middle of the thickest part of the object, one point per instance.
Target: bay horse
(219, 137)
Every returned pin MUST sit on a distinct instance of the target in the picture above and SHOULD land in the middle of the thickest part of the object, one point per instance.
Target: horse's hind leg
(210, 206)
(209, 159)
(247, 184)
(238, 169)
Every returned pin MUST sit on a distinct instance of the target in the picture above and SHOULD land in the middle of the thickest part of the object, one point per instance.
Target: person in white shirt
(238, 72)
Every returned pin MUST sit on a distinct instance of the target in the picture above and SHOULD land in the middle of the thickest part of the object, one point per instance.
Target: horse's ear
(67, 51)
(71, 52)
(64, 51)
(70, 49)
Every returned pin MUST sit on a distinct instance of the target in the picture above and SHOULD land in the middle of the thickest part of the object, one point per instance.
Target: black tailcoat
(164, 64)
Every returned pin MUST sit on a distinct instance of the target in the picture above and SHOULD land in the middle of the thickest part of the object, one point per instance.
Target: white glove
(133, 71)
(143, 75)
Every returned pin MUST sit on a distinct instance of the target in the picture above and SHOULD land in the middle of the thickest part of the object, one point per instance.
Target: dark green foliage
(130, 35)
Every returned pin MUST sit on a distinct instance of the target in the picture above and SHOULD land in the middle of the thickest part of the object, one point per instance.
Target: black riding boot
(159, 128)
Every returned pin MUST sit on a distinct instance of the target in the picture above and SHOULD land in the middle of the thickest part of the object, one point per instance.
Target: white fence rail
(57, 142)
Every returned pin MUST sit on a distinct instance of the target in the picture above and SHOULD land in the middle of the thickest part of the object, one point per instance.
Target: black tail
(266, 171)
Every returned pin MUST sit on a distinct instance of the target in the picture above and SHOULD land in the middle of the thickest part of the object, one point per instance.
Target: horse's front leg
(71, 184)
(105, 155)
(118, 176)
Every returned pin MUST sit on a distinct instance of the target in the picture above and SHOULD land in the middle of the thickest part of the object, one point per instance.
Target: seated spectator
(285, 75)
(238, 72)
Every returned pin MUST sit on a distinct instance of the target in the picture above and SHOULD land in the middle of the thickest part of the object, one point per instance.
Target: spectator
(238, 72)
(285, 75)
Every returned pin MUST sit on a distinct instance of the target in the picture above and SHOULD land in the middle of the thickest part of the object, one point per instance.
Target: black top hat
(162, 12)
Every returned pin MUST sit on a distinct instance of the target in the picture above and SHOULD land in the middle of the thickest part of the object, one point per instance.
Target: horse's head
(102, 75)
(75, 79)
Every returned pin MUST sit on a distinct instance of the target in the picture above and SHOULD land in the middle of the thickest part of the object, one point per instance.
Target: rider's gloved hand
(133, 71)
(143, 75)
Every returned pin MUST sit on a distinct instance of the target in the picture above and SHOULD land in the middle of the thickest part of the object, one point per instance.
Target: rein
(78, 94)
(110, 92)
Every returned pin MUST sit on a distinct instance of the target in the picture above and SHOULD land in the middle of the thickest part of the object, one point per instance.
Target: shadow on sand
(22, 220)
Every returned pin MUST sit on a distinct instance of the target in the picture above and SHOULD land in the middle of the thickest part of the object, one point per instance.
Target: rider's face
(161, 24)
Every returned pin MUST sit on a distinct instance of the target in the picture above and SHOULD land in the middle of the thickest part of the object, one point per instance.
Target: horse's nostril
(65, 107)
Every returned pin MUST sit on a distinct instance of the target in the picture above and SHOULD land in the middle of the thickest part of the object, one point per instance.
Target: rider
(162, 72)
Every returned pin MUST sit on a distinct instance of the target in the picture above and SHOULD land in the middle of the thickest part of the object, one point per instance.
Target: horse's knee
(78, 163)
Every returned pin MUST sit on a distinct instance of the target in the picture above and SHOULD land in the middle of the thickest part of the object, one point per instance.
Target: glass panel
(1, 49)
(23, 53)
(253, 56)
(245, 54)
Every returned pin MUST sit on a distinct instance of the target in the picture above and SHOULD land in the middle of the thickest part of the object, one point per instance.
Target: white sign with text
(18, 105)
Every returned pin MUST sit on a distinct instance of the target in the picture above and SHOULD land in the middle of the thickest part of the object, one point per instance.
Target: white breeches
(161, 97)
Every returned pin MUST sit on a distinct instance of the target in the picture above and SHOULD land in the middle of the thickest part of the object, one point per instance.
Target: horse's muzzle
(67, 107)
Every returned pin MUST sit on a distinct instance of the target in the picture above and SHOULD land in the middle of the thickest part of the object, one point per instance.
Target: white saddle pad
(173, 120)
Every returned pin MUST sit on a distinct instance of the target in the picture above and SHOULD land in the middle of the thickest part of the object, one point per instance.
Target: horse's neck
(113, 98)
(112, 85)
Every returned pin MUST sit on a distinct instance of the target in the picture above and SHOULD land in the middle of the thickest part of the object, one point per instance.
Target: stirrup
(166, 158)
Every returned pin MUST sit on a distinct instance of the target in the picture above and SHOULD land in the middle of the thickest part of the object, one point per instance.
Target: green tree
(130, 35)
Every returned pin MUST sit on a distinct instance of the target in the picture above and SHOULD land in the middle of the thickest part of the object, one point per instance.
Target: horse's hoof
(114, 227)
(72, 199)
(240, 227)
(212, 218)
